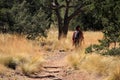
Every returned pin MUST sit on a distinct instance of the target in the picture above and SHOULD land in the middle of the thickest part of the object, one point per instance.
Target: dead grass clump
(96, 64)
(115, 73)
(73, 61)
(76, 58)
(107, 67)
(17, 51)
(8, 61)
(32, 66)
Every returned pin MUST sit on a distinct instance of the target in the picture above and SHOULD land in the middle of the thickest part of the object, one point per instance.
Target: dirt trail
(56, 68)
(53, 68)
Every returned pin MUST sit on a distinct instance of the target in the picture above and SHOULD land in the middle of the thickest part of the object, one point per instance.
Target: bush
(113, 52)
(22, 19)
(89, 49)
(102, 50)
(94, 48)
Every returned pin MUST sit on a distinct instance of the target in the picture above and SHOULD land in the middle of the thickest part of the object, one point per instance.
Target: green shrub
(113, 52)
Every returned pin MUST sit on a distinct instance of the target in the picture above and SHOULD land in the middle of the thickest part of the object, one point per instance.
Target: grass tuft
(96, 64)
(33, 65)
(16, 51)
(115, 74)
(76, 58)
(9, 62)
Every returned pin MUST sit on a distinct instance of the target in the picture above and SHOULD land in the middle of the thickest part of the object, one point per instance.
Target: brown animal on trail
(77, 37)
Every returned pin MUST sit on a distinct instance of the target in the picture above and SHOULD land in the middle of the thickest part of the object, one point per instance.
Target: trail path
(56, 68)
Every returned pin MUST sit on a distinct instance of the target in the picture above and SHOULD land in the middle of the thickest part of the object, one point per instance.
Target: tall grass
(94, 63)
(3, 70)
(32, 66)
(16, 51)
(52, 43)
(76, 58)
(115, 74)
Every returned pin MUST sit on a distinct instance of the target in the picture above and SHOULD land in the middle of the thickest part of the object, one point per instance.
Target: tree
(108, 13)
(28, 17)
(6, 19)
(65, 11)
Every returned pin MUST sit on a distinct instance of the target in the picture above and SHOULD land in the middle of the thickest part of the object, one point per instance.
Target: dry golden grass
(94, 63)
(3, 69)
(92, 38)
(16, 51)
(26, 54)
(52, 42)
(33, 65)
(75, 58)
(115, 74)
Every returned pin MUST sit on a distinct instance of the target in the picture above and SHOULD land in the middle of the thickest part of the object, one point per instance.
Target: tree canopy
(34, 17)
(24, 17)
(108, 12)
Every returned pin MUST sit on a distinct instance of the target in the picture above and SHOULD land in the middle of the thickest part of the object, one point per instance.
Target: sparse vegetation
(52, 43)
(20, 53)
(16, 51)
(22, 21)
(32, 66)
(76, 58)
(115, 73)
(95, 63)
(9, 61)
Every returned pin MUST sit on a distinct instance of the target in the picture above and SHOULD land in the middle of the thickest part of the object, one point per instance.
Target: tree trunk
(60, 31)
(63, 30)
(63, 23)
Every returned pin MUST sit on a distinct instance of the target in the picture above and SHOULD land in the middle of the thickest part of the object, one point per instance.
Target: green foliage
(95, 48)
(89, 49)
(103, 50)
(89, 19)
(113, 51)
(109, 15)
(27, 17)
(33, 17)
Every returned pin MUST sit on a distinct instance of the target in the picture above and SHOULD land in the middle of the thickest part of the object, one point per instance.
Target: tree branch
(59, 18)
(58, 7)
(75, 13)
(67, 9)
